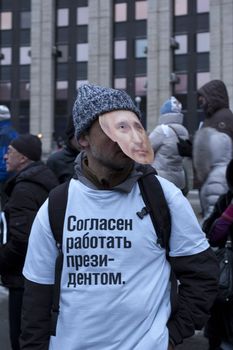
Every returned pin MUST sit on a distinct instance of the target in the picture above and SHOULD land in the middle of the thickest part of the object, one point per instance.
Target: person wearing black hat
(62, 161)
(27, 189)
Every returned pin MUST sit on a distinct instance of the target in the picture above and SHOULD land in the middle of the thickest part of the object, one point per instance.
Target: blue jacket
(7, 133)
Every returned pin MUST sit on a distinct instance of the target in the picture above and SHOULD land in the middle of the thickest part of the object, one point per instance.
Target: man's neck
(106, 178)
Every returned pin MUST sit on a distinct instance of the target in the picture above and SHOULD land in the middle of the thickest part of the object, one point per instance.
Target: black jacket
(27, 191)
(62, 163)
(220, 325)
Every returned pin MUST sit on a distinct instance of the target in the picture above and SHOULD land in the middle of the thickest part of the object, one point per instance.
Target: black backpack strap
(56, 209)
(156, 206)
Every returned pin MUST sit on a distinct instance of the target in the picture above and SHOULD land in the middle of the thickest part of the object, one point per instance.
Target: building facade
(150, 48)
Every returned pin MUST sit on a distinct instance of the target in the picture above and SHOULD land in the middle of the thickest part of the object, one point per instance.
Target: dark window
(6, 37)
(81, 70)
(25, 37)
(120, 68)
(140, 66)
(62, 71)
(203, 62)
(82, 34)
(23, 126)
(62, 35)
(24, 72)
(5, 73)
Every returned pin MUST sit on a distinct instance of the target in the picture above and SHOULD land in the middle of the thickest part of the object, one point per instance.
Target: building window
(24, 55)
(181, 87)
(121, 12)
(5, 20)
(25, 20)
(61, 90)
(82, 15)
(62, 53)
(202, 78)
(181, 7)
(7, 53)
(80, 82)
(120, 83)
(120, 49)
(203, 42)
(5, 91)
(140, 86)
(24, 91)
(82, 52)
(62, 17)
(140, 10)
(140, 48)
(183, 44)
(203, 6)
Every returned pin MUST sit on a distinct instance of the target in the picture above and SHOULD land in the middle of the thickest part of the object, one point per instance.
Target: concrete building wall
(100, 42)
(158, 58)
(42, 70)
(221, 43)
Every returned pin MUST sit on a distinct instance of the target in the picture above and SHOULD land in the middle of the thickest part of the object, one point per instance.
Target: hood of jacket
(169, 118)
(36, 172)
(126, 186)
(211, 149)
(216, 96)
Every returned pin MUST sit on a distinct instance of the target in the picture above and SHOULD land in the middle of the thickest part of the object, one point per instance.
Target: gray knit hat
(93, 100)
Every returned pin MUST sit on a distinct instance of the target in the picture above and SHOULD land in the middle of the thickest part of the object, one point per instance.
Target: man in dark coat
(27, 190)
(62, 161)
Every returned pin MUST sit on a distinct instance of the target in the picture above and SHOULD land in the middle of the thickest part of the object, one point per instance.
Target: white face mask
(125, 128)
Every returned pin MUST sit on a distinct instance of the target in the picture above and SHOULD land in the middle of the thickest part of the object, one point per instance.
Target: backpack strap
(156, 206)
(56, 209)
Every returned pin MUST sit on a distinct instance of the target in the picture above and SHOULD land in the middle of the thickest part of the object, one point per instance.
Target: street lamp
(138, 100)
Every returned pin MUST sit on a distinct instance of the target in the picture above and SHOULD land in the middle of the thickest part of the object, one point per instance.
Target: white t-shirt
(115, 289)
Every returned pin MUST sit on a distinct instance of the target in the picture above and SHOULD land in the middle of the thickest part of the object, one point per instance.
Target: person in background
(212, 144)
(27, 189)
(218, 226)
(115, 282)
(212, 153)
(7, 133)
(164, 139)
(62, 161)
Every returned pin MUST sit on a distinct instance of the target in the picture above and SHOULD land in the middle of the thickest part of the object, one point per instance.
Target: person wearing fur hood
(164, 138)
(212, 148)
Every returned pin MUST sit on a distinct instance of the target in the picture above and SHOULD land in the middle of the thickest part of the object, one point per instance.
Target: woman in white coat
(164, 138)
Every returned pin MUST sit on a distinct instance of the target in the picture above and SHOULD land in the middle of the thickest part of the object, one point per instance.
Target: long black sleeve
(36, 312)
(198, 285)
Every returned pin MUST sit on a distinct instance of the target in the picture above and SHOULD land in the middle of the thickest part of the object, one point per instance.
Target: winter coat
(217, 112)
(167, 161)
(7, 133)
(212, 151)
(220, 324)
(62, 163)
(27, 191)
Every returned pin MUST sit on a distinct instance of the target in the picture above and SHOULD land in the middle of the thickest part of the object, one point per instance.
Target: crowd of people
(117, 286)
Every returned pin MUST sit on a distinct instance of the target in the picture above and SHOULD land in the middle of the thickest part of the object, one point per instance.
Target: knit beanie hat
(28, 145)
(93, 100)
(171, 106)
(4, 113)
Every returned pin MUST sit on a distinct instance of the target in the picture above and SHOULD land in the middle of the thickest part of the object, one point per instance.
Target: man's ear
(83, 141)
